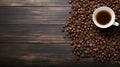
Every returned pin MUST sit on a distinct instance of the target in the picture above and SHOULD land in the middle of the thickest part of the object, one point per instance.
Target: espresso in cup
(104, 17)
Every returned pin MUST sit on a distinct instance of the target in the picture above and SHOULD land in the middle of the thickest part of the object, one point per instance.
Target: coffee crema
(103, 17)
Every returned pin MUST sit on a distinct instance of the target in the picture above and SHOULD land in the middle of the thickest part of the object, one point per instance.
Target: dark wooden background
(30, 33)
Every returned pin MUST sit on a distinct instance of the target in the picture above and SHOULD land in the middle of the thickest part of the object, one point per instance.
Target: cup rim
(101, 9)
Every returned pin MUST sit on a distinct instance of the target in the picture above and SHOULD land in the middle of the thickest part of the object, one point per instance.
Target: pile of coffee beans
(87, 40)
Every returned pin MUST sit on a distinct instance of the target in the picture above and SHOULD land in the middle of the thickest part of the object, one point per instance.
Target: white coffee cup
(110, 23)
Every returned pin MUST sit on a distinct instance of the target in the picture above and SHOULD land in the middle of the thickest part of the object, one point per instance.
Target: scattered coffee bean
(87, 40)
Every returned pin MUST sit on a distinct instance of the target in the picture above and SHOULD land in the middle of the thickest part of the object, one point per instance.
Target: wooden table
(30, 34)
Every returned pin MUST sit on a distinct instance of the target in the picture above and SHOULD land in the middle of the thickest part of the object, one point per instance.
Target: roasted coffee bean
(88, 40)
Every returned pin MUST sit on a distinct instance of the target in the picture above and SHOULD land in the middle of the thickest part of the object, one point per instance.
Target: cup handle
(116, 24)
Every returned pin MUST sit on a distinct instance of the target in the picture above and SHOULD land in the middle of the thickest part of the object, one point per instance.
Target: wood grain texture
(33, 15)
(36, 33)
(30, 32)
(34, 3)
(37, 52)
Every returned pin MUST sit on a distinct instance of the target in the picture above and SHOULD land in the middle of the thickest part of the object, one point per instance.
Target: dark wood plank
(36, 33)
(30, 21)
(34, 3)
(27, 17)
(37, 52)
(34, 10)
(33, 15)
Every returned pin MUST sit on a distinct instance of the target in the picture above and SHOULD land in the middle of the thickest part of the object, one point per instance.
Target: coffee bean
(88, 40)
